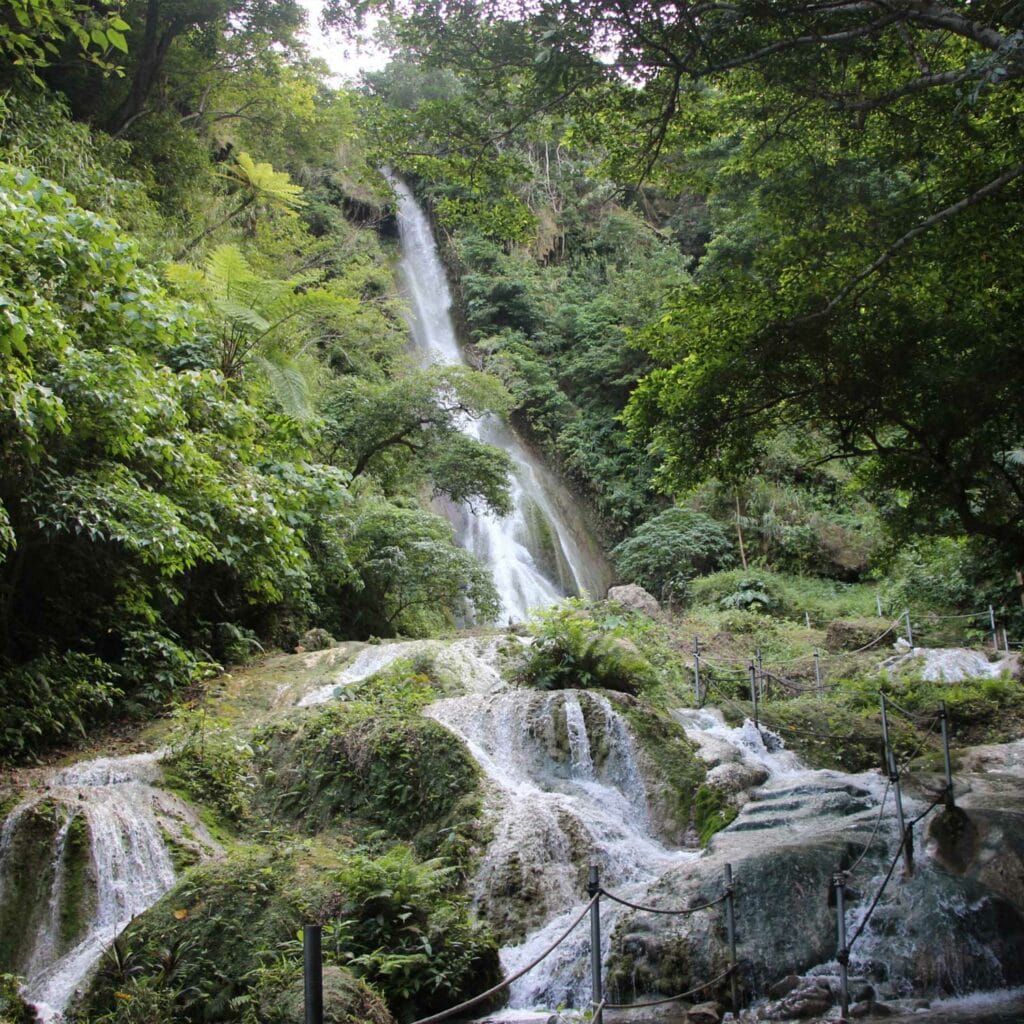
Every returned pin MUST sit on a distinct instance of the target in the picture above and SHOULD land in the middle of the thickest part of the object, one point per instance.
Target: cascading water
(109, 860)
(536, 555)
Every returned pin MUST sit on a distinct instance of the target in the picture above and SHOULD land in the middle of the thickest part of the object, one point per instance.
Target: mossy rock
(852, 634)
(347, 1000)
(207, 935)
(29, 873)
(352, 765)
(712, 812)
(672, 771)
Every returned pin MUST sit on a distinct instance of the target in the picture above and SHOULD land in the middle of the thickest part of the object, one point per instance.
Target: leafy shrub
(14, 1009)
(51, 699)
(668, 550)
(572, 650)
(210, 765)
(403, 928)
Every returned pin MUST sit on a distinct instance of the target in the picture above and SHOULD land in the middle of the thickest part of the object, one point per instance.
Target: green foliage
(14, 1009)
(210, 765)
(371, 758)
(122, 477)
(51, 699)
(403, 928)
(412, 577)
(783, 594)
(579, 646)
(711, 812)
(409, 426)
(221, 946)
(663, 553)
(33, 33)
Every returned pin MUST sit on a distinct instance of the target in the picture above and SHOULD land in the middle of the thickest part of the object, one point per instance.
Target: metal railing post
(594, 890)
(696, 668)
(817, 671)
(995, 632)
(842, 953)
(313, 973)
(910, 632)
(730, 927)
(753, 692)
(905, 839)
(760, 674)
(944, 726)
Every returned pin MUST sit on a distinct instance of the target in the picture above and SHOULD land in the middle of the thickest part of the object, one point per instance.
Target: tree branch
(901, 243)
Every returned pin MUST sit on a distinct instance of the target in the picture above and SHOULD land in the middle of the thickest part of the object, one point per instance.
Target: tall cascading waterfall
(107, 826)
(540, 553)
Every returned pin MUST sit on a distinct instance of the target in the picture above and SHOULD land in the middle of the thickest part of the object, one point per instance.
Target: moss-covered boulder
(354, 764)
(347, 1000)
(853, 634)
(46, 881)
(223, 945)
(672, 771)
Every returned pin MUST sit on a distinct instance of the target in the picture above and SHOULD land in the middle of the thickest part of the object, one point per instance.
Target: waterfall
(569, 794)
(539, 553)
(124, 866)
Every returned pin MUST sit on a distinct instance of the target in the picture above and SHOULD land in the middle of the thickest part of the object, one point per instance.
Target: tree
(673, 546)
(413, 424)
(158, 24)
(864, 167)
(413, 576)
(33, 32)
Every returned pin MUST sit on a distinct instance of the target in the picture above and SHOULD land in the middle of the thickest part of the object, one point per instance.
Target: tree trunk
(149, 62)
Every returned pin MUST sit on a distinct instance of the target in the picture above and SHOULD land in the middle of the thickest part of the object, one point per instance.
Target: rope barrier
(670, 999)
(881, 636)
(920, 746)
(476, 1000)
(912, 716)
(888, 877)
(658, 910)
(874, 831)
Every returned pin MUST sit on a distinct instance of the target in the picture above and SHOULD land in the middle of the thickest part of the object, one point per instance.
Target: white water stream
(534, 563)
(126, 819)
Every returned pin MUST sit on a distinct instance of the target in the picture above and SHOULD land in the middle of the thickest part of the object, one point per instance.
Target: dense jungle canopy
(749, 275)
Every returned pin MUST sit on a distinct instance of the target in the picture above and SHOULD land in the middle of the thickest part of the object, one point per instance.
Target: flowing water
(108, 826)
(541, 552)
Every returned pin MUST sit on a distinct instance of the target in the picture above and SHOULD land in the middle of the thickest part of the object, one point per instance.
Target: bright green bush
(665, 552)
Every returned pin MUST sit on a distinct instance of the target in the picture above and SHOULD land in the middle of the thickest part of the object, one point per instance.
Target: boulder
(704, 1013)
(851, 634)
(346, 998)
(635, 598)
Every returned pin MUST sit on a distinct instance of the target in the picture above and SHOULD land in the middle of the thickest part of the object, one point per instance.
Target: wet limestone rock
(635, 598)
(810, 997)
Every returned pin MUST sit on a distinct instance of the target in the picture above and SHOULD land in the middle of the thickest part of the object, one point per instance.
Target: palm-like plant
(258, 185)
(263, 322)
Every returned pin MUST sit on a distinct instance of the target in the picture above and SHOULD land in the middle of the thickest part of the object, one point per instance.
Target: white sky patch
(347, 58)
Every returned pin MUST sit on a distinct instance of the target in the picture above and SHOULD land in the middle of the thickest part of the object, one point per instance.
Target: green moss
(28, 875)
(14, 1009)
(677, 768)
(374, 762)
(78, 899)
(711, 813)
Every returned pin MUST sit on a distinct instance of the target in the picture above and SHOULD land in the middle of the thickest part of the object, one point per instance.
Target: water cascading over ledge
(542, 552)
(80, 856)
